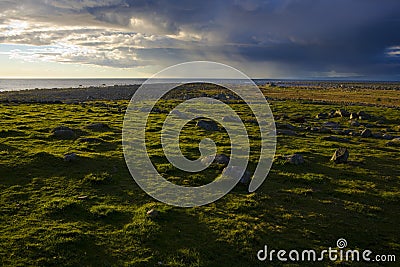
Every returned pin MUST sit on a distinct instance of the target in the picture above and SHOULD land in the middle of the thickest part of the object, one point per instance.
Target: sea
(28, 84)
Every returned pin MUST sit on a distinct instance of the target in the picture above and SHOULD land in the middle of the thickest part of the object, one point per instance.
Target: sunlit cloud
(288, 38)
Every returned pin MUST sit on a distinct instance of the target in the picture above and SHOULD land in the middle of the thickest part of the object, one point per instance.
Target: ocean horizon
(12, 84)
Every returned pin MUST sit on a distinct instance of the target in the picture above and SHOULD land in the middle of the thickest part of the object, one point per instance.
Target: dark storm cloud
(307, 37)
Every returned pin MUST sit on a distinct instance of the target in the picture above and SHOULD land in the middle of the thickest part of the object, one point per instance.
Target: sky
(296, 39)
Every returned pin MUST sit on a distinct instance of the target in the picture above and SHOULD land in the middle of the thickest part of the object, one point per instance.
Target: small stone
(235, 171)
(207, 125)
(286, 132)
(353, 116)
(295, 159)
(152, 213)
(322, 116)
(70, 157)
(394, 142)
(331, 124)
(342, 113)
(366, 133)
(387, 137)
(231, 119)
(219, 159)
(363, 114)
(355, 123)
(341, 155)
(90, 140)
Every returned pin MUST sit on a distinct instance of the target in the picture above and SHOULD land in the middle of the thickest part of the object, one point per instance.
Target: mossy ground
(91, 213)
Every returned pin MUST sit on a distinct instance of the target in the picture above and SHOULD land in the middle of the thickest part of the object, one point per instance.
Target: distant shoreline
(10, 84)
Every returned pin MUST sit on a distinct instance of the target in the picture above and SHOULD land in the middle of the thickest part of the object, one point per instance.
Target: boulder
(295, 159)
(207, 125)
(219, 159)
(366, 133)
(341, 155)
(234, 171)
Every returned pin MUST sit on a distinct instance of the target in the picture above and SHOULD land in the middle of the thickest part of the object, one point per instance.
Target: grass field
(90, 212)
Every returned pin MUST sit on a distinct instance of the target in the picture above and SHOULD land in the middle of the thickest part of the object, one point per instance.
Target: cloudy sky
(264, 39)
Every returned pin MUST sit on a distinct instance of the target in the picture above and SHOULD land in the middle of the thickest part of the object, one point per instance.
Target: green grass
(91, 213)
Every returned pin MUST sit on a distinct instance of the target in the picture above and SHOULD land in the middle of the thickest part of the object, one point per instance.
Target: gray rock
(322, 116)
(387, 137)
(234, 171)
(284, 126)
(355, 123)
(335, 139)
(61, 128)
(295, 159)
(394, 142)
(331, 124)
(286, 132)
(366, 133)
(98, 127)
(64, 134)
(363, 114)
(90, 140)
(152, 214)
(353, 116)
(341, 155)
(207, 125)
(342, 113)
(325, 130)
(219, 159)
(231, 119)
(70, 157)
